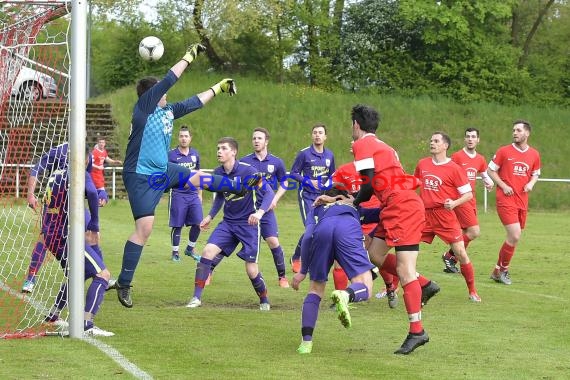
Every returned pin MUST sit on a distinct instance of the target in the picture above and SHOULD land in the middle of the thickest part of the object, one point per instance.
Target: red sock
(505, 255)
(387, 277)
(466, 240)
(469, 274)
(389, 265)
(423, 281)
(340, 279)
(413, 301)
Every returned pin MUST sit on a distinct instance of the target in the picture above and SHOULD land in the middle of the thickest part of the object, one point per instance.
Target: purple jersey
(238, 209)
(55, 159)
(190, 161)
(309, 165)
(272, 168)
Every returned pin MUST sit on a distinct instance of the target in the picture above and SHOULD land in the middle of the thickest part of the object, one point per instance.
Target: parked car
(33, 85)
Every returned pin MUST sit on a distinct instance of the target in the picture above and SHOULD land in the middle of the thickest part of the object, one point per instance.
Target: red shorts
(368, 228)
(512, 215)
(466, 215)
(443, 223)
(401, 219)
(98, 178)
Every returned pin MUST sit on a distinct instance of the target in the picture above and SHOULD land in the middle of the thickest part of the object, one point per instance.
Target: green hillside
(289, 112)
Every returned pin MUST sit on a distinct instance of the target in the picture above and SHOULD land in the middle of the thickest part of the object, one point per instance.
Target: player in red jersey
(100, 158)
(515, 169)
(401, 218)
(473, 163)
(444, 186)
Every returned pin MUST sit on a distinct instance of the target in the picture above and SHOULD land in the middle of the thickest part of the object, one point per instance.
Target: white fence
(115, 169)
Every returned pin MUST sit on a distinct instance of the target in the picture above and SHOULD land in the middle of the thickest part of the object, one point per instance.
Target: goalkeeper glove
(192, 52)
(225, 85)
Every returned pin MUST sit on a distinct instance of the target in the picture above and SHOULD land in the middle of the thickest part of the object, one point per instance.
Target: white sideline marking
(105, 348)
(118, 358)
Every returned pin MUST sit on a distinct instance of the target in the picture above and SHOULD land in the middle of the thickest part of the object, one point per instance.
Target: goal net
(34, 116)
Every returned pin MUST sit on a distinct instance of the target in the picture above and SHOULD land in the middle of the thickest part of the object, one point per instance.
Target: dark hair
(145, 84)
(185, 128)
(525, 123)
(334, 191)
(445, 137)
(318, 125)
(230, 141)
(262, 130)
(367, 117)
(472, 129)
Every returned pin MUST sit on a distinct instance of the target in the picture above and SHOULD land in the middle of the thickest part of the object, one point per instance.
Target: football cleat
(474, 297)
(264, 306)
(124, 295)
(450, 263)
(392, 298)
(189, 251)
(175, 257)
(194, 303)
(296, 265)
(283, 282)
(96, 331)
(28, 286)
(412, 342)
(429, 291)
(305, 347)
(112, 284)
(340, 299)
(501, 277)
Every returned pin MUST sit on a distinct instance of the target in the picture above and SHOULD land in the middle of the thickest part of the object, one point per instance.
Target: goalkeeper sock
(131, 256)
(38, 256)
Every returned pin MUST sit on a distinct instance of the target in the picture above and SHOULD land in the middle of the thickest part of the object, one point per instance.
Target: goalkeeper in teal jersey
(147, 172)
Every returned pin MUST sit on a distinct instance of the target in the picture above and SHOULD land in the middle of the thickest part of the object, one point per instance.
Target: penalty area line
(118, 358)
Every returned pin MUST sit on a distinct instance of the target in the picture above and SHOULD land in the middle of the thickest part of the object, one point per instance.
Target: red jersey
(516, 168)
(473, 165)
(440, 182)
(389, 176)
(99, 157)
(348, 176)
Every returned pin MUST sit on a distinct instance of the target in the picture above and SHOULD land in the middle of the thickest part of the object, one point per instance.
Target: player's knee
(473, 232)
(104, 274)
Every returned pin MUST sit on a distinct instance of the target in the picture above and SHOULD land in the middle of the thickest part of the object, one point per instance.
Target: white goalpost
(42, 105)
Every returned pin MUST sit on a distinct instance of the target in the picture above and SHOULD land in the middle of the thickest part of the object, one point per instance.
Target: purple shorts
(268, 225)
(227, 237)
(185, 210)
(337, 238)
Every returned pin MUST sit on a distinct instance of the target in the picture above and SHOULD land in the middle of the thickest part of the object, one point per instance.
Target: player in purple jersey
(146, 170)
(312, 168)
(333, 233)
(239, 225)
(273, 170)
(56, 159)
(185, 204)
(54, 236)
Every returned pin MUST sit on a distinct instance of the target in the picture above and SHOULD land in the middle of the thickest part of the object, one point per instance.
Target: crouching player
(332, 233)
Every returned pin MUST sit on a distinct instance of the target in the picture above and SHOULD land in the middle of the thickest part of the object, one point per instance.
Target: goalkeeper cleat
(124, 295)
(283, 282)
(244, 188)
(28, 286)
(340, 299)
(189, 251)
(429, 291)
(96, 331)
(412, 342)
(265, 306)
(305, 347)
(450, 263)
(194, 303)
(112, 284)
(474, 297)
(176, 257)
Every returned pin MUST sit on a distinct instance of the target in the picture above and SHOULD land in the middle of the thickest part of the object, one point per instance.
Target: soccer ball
(151, 48)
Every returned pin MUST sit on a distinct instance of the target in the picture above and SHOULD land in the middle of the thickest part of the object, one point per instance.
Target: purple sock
(357, 292)
(38, 256)
(61, 298)
(309, 315)
(97, 250)
(95, 294)
(202, 273)
(279, 260)
(297, 253)
(216, 260)
(259, 285)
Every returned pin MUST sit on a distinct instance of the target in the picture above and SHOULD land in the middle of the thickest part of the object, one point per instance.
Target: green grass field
(517, 332)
